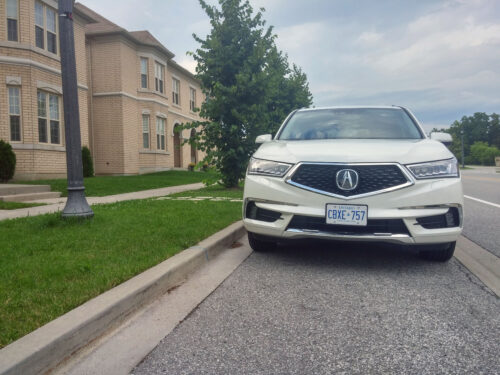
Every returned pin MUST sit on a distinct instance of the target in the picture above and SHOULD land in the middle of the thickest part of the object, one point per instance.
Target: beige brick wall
(38, 69)
(108, 135)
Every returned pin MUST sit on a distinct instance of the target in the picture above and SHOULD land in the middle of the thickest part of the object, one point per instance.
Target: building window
(145, 131)
(15, 113)
(192, 99)
(45, 27)
(12, 17)
(49, 127)
(159, 73)
(160, 133)
(144, 72)
(176, 88)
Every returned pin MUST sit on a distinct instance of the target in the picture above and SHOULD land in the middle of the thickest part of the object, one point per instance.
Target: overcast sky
(441, 59)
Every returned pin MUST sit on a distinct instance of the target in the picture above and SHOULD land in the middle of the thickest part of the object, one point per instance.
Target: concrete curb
(49, 345)
(483, 264)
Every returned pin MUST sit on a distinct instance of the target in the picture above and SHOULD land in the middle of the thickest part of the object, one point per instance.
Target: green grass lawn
(108, 185)
(49, 266)
(16, 205)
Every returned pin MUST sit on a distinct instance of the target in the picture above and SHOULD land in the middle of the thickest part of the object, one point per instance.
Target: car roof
(352, 106)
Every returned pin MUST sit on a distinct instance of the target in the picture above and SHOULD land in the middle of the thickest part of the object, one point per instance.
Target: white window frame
(14, 102)
(50, 118)
(160, 134)
(144, 74)
(192, 99)
(11, 17)
(146, 142)
(176, 91)
(43, 25)
(159, 77)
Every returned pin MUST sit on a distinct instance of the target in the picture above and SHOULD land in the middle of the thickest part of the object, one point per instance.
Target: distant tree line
(481, 137)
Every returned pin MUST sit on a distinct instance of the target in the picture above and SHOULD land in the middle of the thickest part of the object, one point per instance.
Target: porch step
(13, 189)
(30, 196)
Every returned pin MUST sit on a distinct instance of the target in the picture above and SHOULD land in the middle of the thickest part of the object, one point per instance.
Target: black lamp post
(76, 205)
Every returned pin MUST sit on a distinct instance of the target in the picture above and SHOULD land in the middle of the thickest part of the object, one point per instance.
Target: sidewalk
(57, 204)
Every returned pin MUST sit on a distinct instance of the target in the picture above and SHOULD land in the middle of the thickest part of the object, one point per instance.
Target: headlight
(267, 167)
(435, 169)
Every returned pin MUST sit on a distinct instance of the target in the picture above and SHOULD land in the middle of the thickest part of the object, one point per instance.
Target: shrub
(7, 161)
(204, 167)
(191, 166)
(88, 164)
(481, 153)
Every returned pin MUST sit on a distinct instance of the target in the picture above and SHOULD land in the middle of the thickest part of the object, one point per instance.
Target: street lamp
(76, 205)
(463, 154)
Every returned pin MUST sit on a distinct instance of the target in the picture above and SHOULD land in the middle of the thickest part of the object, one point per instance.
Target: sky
(439, 58)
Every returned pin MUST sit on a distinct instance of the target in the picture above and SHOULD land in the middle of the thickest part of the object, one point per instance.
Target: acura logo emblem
(347, 179)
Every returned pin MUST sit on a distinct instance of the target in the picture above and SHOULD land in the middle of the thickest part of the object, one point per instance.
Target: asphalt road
(355, 310)
(482, 220)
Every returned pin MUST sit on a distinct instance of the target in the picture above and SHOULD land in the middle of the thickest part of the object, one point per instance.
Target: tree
(248, 86)
(479, 127)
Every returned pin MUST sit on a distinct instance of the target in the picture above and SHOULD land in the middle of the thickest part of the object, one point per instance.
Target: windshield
(351, 123)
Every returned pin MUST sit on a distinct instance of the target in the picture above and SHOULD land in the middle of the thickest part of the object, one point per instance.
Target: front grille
(256, 213)
(448, 220)
(372, 178)
(386, 226)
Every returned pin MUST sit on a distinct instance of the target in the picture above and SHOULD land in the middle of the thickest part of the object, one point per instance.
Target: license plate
(346, 214)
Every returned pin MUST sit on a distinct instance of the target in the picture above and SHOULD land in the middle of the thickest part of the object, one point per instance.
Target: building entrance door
(177, 147)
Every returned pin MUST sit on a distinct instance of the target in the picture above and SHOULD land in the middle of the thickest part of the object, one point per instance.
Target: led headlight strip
(435, 169)
(268, 167)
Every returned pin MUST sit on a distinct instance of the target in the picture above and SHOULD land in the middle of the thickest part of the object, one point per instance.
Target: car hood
(354, 151)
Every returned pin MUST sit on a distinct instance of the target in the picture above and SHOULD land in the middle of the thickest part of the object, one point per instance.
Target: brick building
(132, 94)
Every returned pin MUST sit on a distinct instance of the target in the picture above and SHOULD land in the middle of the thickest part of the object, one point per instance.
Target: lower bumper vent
(256, 213)
(448, 220)
(373, 227)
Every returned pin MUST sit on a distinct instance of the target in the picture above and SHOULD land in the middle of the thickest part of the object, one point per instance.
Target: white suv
(354, 173)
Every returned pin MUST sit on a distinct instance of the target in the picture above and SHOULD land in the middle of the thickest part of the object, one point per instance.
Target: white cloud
(370, 37)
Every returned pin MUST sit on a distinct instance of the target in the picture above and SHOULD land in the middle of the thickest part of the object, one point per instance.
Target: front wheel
(442, 255)
(257, 244)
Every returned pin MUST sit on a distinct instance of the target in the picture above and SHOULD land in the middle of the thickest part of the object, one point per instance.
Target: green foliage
(7, 161)
(88, 164)
(481, 153)
(248, 83)
(479, 127)
(16, 205)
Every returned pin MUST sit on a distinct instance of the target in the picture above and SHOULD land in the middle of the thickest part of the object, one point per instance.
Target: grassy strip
(16, 205)
(49, 266)
(108, 185)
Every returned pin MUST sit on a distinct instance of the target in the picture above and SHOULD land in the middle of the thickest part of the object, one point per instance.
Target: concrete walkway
(57, 204)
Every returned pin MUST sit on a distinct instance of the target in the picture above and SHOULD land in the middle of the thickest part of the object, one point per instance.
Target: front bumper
(424, 198)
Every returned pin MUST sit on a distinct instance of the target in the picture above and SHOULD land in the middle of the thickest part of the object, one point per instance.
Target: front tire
(259, 245)
(442, 255)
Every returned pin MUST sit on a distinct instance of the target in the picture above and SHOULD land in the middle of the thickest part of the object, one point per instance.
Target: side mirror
(444, 138)
(264, 138)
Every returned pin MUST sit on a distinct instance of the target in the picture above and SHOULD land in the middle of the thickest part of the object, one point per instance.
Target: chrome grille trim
(409, 178)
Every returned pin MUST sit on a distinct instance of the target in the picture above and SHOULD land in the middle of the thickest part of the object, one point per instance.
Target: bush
(481, 153)
(88, 164)
(191, 166)
(7, 161)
